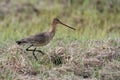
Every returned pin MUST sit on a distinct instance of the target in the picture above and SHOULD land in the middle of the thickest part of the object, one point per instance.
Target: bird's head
(57, 21)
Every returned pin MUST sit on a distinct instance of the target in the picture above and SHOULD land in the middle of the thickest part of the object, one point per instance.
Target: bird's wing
(38, 38)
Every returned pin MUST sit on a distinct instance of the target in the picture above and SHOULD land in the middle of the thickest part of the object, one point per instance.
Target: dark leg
(32, 50)
(34, 54)
(40, 52)
(29, 49)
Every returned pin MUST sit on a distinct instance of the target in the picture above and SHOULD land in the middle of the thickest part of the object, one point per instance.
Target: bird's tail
(20, 42)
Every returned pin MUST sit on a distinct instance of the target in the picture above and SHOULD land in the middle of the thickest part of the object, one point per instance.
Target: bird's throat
(52, 30)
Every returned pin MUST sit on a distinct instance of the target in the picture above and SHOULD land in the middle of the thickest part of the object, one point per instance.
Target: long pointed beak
(67, 26)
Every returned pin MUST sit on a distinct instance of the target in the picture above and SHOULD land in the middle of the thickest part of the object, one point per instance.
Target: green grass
(94, 25)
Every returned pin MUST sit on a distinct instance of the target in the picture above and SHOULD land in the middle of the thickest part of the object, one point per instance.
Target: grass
(90, 52)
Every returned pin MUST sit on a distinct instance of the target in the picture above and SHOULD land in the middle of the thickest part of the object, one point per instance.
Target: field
(92, 52)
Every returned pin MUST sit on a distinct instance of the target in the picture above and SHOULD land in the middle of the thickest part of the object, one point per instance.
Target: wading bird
(41, 39)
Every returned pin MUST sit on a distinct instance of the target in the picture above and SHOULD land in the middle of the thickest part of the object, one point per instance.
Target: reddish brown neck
(52, 29)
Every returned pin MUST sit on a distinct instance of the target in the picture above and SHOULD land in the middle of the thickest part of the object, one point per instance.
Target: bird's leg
(40, 52)
(34, 54)
(33, 51)
(27, 49)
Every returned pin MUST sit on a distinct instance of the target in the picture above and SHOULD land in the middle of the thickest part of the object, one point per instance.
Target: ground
(92, 52)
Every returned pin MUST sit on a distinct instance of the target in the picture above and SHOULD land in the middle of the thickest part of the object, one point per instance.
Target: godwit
(41, 39)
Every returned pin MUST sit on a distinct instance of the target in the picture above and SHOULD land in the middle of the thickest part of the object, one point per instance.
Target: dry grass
(71, 62)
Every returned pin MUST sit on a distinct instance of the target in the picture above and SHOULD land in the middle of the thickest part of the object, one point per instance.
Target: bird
(41, 39)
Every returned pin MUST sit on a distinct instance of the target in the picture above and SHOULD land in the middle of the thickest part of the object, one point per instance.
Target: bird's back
(40, 39)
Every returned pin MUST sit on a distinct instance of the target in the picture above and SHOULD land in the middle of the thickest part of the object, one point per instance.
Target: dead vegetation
(73, 63)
